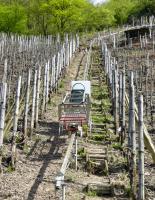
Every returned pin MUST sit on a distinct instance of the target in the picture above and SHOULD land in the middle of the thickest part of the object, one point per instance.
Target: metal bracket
(59, 180)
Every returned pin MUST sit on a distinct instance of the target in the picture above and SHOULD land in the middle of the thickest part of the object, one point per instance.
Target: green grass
(128, 191)
(106, 104)
(102, 120)
(70, 178)
(85, 130)
(3, 151)
(26, 149)
(61, 84)
(91, 193)
(98, 137)
(82, 152)
(97, 119)
(52, 103)
(10, 169)
(7, 137)
(117, 146)
(37, 138)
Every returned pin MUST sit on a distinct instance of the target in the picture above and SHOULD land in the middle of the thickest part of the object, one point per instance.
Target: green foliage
(53, 16)
(91, 193)
(103, 95)
(82, 152)
(105, 104)
(66, 14)
(102, 119)
(124, 11)
(121, 9)
(12, 18)
(143, 8)
(128, 191)
(61, 84)
(98, 137)
(85, 130)
(117, 146)
(99, 18)
(26, 149)
(70, 178)
(10, 169)
(97, 119)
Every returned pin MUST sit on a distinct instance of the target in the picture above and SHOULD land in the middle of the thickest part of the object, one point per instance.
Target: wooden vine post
(37, 97)
(130, 108)
(47, 85)
(141, 195)
(26, 109)
(116, 118)
(15, 123)
(33, 103)
(44, 92)
(76, 153)
(120, 97)
(123, 128)
(64, 192)
(3, 91)
(133, 139)
(4, 79)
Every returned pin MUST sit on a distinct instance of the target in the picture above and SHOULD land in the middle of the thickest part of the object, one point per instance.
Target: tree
(121, 9)
(53, 16)
(67, 15)
(143, 8)
(13, 18)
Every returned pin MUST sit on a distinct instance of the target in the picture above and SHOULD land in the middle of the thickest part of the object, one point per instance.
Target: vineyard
(113, 156)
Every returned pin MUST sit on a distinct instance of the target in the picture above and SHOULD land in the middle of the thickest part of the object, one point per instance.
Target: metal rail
(60, 176)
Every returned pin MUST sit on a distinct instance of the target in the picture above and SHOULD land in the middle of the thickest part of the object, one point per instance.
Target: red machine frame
(76, 111)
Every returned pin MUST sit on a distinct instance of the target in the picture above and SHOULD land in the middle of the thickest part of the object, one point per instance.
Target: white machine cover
(86, 84)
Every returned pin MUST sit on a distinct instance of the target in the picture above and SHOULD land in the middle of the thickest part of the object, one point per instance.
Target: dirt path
(38, 165)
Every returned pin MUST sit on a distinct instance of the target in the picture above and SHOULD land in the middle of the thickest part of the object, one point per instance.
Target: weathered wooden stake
(120, 97)
(33, 103)
(123, 129)
(76, 149)
(4, 79)
(133, 139)
(44, 92)
(141, 195)
(130, 117)
(27, 99)
(37, 97)
(113, 89)
(47, 86)
(116, 118)
(15, 123)
(3, 91)
(153, 42)
(63, 192)
(114, 42)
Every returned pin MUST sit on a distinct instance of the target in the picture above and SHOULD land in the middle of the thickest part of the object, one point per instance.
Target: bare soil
(37, 167)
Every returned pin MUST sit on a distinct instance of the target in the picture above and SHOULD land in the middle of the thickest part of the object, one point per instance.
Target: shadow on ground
(54, 142)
